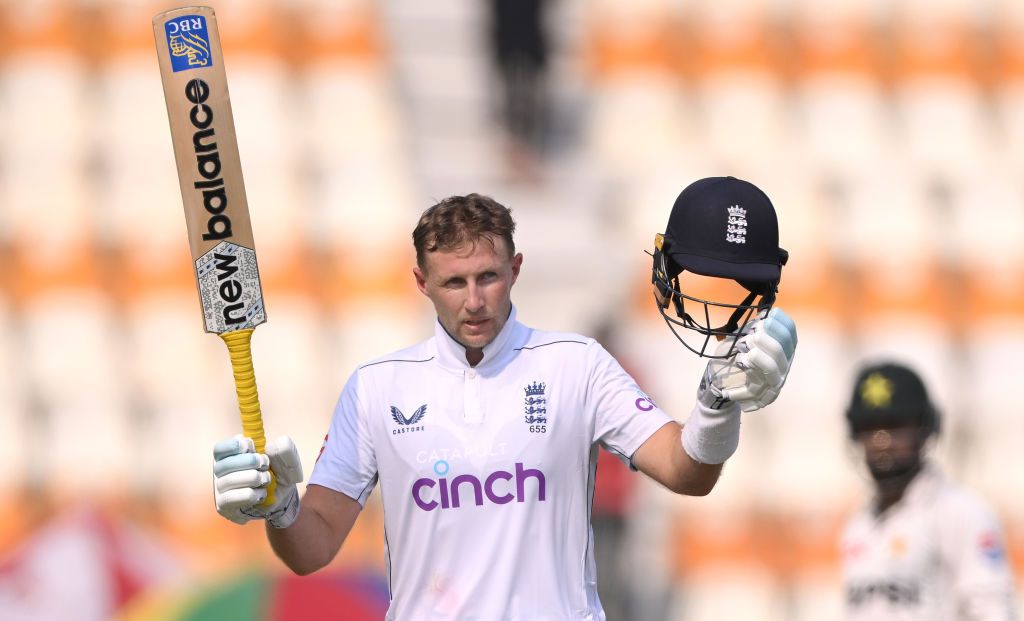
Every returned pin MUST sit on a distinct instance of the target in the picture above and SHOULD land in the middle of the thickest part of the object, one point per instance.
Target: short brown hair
(458, 220)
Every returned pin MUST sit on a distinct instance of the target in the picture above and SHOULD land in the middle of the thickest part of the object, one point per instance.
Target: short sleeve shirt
(487, 472)
(936, 555)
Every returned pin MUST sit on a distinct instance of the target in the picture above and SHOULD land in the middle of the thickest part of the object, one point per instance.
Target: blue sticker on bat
(189, 42)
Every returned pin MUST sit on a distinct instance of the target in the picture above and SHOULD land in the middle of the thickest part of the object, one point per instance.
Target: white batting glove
(748, 381)
(756, 374)
(240, 479)
(712, 433)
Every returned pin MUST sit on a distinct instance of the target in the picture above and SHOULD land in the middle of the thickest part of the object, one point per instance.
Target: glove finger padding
(783, 329)
(241, 463)
(766, 355)
(761, 377)
(236, 445)
(240, 479)
(232, 500)
(284, 461)
(764, 369)
(762, 352)
(243, 479)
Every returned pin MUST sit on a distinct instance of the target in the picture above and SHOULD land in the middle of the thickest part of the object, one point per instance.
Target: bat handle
(239, 349)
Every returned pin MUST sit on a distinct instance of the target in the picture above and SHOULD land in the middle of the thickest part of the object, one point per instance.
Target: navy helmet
(726, 228)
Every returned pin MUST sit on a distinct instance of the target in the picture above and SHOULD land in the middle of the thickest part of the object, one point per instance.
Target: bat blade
(216, 211)
(209, 169)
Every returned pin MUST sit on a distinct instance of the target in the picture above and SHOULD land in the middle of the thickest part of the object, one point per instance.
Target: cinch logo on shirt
(643, 402)
(497, 488)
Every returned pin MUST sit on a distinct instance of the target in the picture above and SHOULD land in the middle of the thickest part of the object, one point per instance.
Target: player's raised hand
(240, 477)
(764, 356)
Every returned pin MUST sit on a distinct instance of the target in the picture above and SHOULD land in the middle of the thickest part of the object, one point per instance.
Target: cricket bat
(216, 213)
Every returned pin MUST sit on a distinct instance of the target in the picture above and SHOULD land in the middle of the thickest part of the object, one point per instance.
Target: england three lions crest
(535, 403)
(736, 227)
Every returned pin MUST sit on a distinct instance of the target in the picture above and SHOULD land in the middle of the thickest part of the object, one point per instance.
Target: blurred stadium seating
(889, 134)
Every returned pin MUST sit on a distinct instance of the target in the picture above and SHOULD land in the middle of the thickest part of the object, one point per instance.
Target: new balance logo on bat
(229, 287)
(215, 198)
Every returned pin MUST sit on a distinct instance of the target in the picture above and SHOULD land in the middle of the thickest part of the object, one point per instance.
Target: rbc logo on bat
(189, 42)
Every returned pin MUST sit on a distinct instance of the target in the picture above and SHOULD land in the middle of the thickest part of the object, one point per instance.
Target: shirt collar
(452, 355)
(923, 484)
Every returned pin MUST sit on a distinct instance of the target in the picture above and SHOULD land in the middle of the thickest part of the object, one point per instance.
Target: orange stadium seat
(1006, 19)
(75, 374)
(736, 590)
(994, 434)
(183, 383)
(45, 188)
(739, 94)
(836, 67)
(639, 120)
(1008, 81)
(14, 423)
(817, 596)
(136, 182)
(891, 236)
(639, 131)
(936, 80)
(647, 38)
(987, 226)
(347, 31)
(359, 203)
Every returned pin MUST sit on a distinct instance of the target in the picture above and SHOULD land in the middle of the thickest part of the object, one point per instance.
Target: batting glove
(712, 433)
(240, 479)
(758, 371)
(748, 381)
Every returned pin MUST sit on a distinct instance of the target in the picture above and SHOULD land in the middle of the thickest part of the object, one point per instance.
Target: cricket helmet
(722, 227)
(887, 395)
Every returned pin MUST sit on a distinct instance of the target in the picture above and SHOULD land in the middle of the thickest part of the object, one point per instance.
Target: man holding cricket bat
(484, 438)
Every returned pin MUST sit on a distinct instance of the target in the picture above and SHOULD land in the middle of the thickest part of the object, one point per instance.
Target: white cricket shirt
(487, 472)
(936, 555)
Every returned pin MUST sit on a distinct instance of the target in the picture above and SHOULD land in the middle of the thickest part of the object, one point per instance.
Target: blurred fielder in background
(484, 438)
(923, 548)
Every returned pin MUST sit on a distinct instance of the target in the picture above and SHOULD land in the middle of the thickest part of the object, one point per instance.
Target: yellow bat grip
(239, 349)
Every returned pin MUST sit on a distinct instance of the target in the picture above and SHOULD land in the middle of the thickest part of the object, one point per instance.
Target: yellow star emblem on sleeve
(876, 391)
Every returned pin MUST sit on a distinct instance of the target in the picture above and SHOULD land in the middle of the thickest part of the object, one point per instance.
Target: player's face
(891, 452)
(471, 289)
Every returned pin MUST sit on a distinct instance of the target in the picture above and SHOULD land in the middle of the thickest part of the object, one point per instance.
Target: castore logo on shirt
(408, 425)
